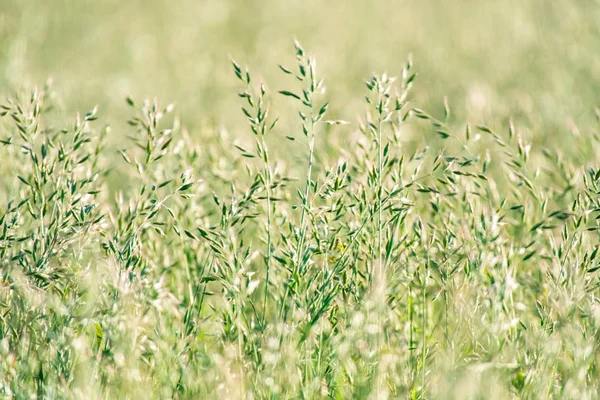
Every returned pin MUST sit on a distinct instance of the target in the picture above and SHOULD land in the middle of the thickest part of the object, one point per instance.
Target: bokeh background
(536, 60)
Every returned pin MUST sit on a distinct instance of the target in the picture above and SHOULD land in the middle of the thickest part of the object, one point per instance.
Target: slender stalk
(424, 333)
(379, 230)
(260, 126)
(267, 169)
(410, 324)
(306, 192)
(300, 249)
(379, 193)
(306, 65)
(241, 359)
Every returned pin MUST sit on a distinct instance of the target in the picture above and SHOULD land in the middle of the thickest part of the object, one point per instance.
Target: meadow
(300, 199)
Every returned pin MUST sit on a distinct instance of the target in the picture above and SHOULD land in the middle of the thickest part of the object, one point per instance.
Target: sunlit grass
(403, 253)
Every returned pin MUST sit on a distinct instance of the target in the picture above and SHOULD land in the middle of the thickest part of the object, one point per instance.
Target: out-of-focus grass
(533, 60)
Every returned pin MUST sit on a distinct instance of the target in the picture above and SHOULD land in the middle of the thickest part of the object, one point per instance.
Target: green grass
(333, 235)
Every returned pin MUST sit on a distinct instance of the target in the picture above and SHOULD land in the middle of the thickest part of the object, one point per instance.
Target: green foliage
(460, 266)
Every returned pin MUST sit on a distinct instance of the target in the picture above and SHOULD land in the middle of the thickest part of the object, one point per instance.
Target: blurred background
(535, 60)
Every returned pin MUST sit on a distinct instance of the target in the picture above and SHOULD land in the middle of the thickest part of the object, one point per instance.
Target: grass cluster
(307, 258)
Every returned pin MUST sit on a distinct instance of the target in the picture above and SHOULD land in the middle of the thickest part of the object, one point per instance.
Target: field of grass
(278, 221)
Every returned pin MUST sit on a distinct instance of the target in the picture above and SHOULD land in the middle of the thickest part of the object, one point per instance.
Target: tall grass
(310, 258)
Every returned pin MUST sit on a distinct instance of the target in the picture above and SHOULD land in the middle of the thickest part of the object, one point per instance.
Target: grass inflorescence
(306, 257)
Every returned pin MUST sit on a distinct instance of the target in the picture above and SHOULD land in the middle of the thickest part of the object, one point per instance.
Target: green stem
(423, 349)
(268, 261)
(379, 234)
(302, 215)
(379, 194)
